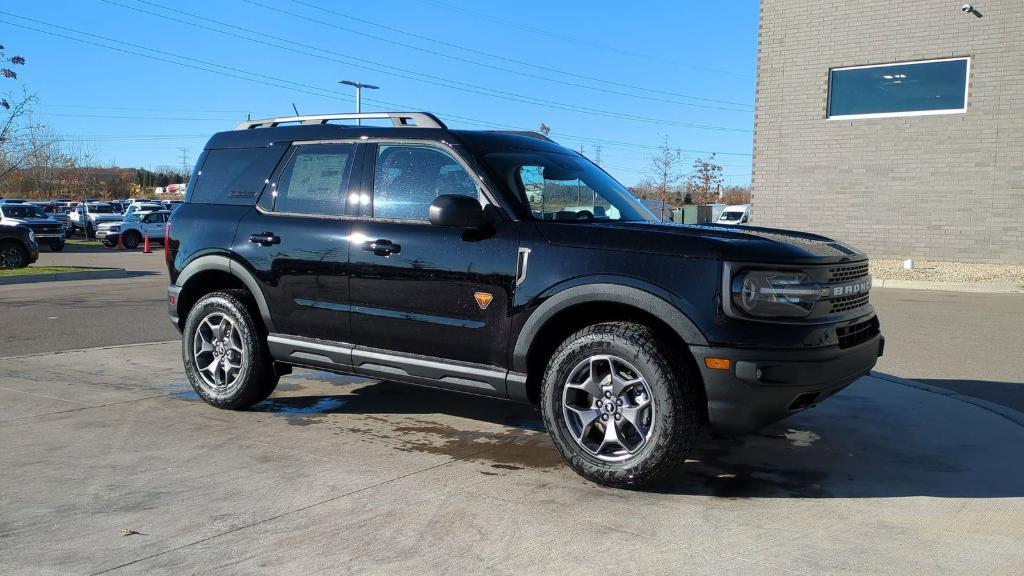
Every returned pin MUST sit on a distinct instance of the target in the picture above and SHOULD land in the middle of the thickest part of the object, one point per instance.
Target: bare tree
(665, 176)
(736, 195)
(16, 144)
(704, 184)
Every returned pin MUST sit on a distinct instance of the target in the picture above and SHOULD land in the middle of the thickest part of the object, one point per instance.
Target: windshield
(566, 188)
(22, 211)
(101, 208)
(730, 216)
(132, 217)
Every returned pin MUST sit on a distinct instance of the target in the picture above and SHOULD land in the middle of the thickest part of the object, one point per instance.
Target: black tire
(57, 246)
(256, 378)
(131, 239)
(673, 423)
(12, 255)
(90, 234)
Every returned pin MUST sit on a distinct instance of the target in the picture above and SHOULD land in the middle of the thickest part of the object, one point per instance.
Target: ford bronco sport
(502, 264)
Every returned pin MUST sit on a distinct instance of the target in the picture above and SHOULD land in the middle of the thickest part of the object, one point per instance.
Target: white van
(738, 214)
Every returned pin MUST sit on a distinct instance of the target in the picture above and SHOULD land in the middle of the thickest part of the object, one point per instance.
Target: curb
(990, 288)
(73, 350)
(1010, 414)
(98, 274)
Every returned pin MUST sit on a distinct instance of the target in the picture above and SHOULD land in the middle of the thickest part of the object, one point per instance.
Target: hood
(105, 217)
(109, 223)
(28, 221)
(714, 241)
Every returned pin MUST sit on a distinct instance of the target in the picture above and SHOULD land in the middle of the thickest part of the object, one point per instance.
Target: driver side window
(407, 178)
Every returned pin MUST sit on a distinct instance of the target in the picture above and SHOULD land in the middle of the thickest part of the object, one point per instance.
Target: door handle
(381, 247)
(265, 239)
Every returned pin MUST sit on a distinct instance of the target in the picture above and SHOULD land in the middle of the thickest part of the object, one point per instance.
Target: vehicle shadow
(877, 439)
(1010, 394)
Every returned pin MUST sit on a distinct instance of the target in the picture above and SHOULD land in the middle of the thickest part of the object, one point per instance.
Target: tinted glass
(408, 178)
(315, 180)
(101, 209)
(233, 176)
(920, 87)
(566, 187)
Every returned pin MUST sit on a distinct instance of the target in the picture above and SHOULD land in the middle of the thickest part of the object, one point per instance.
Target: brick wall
(948, 187)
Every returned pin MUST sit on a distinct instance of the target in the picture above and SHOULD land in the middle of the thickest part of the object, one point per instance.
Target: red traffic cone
(145, 245)
(120, 243)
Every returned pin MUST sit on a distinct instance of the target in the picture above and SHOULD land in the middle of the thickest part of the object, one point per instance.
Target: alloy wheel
(608, 408)
(10, 257)
(218, 352)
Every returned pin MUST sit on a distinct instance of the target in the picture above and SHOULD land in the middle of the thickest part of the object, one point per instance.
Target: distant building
(896, 126)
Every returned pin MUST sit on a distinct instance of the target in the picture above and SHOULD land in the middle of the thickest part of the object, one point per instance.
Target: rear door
(422, 289)
(153, 225)
(296, 240)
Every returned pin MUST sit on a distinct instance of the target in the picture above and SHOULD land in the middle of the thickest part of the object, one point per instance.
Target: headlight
(768, 294)
(113, 228)
(31, 235)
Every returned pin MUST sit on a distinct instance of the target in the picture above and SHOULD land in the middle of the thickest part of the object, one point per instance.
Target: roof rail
(398, 119)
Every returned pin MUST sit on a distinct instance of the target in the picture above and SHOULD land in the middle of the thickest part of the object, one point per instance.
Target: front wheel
(618, 408)
(57, 246)
(131, 239)
(12, 256)
(225, 354)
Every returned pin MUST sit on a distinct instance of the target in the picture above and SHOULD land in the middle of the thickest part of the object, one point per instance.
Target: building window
(905, 89)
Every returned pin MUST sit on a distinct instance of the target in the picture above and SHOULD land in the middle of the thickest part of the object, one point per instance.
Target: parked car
(18, 247)
(737, 214)
(88, 215)
(134, 228)
(45, 229)
(504, 265)
(143, 206)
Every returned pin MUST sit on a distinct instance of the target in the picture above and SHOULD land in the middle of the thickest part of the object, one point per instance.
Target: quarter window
(314, 182)
(907, 89)
(408, 178)
(233, 175)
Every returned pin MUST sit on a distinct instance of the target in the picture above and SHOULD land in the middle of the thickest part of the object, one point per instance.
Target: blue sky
(136, 80)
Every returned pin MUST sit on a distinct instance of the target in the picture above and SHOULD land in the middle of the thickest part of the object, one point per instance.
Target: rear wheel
(618, 409)
(131, 239)
(225, 353)
(12, 255)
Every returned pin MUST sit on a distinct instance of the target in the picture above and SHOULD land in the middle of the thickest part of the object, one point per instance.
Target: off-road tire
(13, 255)
(674, 388)
(131, 239)
(256, 379)
(90, 233)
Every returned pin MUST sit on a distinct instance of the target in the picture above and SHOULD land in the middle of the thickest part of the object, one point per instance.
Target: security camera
(967, 8)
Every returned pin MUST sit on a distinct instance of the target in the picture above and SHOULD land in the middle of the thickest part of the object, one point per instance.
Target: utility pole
(359, 95)
(184, 163)
(597, 154)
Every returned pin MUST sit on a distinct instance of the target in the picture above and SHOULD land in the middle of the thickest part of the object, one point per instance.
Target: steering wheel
(585, 215)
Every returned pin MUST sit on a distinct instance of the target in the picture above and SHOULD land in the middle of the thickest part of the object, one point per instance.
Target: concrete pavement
(338, 475)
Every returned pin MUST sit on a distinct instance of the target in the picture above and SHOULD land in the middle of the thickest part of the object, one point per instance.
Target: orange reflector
(717, 363)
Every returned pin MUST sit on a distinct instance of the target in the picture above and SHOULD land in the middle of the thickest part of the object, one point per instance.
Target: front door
(296, 240)
(422, 289)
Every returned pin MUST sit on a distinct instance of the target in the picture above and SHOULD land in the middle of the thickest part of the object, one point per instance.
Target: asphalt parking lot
(100, 432)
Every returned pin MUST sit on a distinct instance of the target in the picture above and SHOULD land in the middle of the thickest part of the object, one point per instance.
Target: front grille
(45, 229)
(845, 273)
(850, 336)
(847, 303)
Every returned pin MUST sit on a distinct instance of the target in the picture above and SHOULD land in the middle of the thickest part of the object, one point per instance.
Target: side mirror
(456, 211)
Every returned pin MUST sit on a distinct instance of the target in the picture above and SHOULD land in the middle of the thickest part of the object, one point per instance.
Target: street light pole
(359, 95)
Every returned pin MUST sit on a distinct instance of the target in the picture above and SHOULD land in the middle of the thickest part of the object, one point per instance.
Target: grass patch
(45, 270)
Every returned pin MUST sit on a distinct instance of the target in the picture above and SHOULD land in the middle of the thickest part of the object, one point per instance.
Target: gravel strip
(933, 271)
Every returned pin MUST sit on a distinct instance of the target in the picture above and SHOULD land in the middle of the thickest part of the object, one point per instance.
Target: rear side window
(233, 175)
(315, 181)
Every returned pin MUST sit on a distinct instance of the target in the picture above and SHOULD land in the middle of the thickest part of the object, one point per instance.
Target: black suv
(502, 264)
(18, 246)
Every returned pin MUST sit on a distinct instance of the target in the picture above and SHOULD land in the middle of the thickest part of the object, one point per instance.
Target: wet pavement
(339, 474)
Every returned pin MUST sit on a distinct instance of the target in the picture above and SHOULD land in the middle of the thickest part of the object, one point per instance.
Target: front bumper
(103, 234)
(49, 238)
(764, 386)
